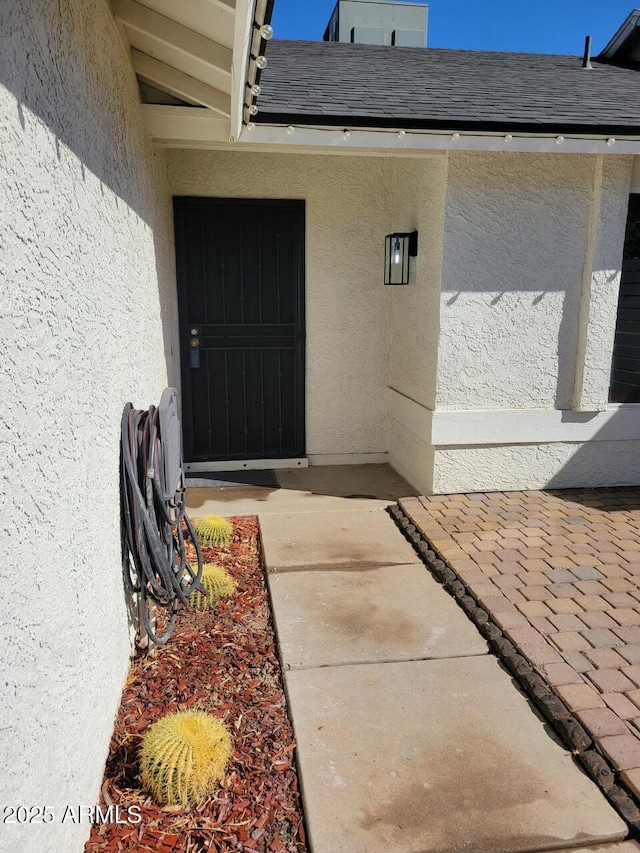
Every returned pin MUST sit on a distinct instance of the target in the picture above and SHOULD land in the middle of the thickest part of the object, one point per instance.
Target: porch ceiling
(196, 51)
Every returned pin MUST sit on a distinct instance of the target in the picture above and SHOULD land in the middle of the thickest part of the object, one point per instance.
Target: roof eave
(414, 142)
(400, 123)
(615, 48)
(189, 127)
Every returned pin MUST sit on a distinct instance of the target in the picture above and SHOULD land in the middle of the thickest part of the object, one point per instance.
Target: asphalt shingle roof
(369, 85)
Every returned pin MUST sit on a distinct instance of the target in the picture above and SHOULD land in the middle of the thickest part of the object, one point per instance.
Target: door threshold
(244, 465)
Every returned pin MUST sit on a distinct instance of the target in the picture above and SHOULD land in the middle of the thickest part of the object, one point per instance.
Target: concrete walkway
(411, 737)
(337, 488)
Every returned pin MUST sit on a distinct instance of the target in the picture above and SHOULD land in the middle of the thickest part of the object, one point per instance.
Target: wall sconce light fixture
(397, 251)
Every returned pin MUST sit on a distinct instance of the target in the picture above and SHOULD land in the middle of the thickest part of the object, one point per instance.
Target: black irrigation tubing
(552, 708)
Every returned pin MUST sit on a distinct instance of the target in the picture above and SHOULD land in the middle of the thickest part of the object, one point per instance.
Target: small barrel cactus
(183, 755)
(213, 530)
(218, 583)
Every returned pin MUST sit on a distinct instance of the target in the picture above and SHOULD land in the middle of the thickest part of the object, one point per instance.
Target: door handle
(194, 348)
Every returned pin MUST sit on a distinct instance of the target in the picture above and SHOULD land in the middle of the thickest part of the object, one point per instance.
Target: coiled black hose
(154, 523)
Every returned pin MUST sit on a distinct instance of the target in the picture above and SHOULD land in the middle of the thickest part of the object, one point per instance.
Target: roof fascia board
(399, 124)
(245, 16)
(246, 148)
(325, 35)
(278, 137)
(250, 16)
(619, 38)
(179, 127)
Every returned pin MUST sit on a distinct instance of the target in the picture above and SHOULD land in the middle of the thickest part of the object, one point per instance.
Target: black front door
(240, 266)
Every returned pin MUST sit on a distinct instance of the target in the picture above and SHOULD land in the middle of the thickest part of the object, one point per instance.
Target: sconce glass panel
(398, 249)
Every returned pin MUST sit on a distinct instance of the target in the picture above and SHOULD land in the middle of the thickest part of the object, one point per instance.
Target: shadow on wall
(611, 456)
(56, 71)
(567, 332)
(71, 80)
(517, 236)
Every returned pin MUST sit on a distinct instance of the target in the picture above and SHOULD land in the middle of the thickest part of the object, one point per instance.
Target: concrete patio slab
(317, 540)
(436, 757)
(384, 614)
(261, 500)
(375, 482)
(326, 488)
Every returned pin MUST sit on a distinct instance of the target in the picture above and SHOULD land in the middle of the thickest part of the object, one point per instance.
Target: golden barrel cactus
(218, 583)
(213, 530)
(183, 755)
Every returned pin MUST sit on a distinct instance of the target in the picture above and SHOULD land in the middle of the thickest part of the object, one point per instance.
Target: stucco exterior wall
(418, 202)
(419, 190)
(511, 306)
(347, 206)
(601, 281)
(635, 175)
(516, 233)
(557, 465)
(532, 256)
(87, 323)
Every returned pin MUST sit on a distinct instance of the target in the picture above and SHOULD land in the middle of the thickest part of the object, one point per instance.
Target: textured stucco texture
(87, 323)
(420, 187)
(558, 465)
(612, 184)
(418, 203)
(516, 232)
(531, 272)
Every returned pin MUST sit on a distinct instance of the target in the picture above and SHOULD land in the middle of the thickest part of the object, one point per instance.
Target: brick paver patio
(559, 572)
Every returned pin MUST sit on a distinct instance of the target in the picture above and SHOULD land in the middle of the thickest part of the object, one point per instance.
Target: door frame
(299, 207)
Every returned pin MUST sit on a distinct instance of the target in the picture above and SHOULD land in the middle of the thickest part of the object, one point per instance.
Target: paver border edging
(568, 728)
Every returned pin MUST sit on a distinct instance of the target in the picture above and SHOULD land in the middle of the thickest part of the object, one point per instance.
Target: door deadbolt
(194, 351)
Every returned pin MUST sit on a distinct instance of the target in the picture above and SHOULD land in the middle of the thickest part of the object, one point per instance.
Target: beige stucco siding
(516, 233)
(635, 175)
(347, 323)
(531, 271)
(418, 202)
(601, 281)
(420, 187)
(536, 466)
(87, 323)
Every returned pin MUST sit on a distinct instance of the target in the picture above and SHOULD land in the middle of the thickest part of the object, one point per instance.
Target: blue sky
(544, 26)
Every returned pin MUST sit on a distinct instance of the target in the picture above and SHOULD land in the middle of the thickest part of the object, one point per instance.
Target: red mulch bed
(224, 661)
